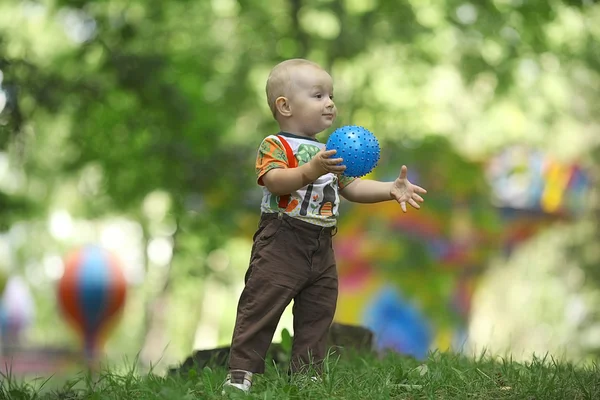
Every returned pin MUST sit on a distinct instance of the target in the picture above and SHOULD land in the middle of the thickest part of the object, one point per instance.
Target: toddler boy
(292, 255)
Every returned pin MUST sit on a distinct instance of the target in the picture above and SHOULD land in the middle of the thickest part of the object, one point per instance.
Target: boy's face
(311, 100)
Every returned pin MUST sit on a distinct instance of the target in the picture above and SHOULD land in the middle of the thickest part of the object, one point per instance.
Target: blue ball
(357, 146)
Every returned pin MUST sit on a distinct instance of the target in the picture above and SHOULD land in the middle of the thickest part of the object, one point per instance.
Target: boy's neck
(296, 132)
(293, 135)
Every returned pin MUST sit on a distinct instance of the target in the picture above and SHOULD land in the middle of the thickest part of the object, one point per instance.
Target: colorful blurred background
(132, 127)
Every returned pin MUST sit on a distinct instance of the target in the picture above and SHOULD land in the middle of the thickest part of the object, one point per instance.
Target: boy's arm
(281, 181)
(369, 191)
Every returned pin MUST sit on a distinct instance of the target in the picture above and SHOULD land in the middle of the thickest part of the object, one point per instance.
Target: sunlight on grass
(345, 377)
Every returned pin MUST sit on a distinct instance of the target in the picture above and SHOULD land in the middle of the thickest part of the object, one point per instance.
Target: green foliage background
(150, 113)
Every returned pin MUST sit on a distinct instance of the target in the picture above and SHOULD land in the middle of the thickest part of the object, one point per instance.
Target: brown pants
(290, 260)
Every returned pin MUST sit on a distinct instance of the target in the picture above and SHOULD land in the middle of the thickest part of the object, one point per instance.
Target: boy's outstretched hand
(404, 191)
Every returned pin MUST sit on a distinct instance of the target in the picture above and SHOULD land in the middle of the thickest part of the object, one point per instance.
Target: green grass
(442, 376)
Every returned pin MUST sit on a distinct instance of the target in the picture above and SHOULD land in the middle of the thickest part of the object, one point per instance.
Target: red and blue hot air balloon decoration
(91, 295)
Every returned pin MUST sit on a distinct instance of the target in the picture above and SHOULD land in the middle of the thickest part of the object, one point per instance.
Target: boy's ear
(283, 106)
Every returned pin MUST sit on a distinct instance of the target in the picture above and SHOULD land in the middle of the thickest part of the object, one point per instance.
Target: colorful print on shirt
(317, 202)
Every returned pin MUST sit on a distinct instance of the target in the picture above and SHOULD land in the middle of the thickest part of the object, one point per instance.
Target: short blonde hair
(279, 80)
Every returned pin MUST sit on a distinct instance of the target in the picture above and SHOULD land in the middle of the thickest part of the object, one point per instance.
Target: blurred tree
(123, 99)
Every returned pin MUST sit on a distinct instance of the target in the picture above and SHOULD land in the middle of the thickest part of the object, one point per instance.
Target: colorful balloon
(91, 294)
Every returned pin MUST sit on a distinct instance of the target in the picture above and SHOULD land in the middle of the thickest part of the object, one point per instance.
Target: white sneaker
(238, 379)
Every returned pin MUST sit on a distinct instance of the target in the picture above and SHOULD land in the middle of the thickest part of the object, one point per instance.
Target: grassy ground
(442, 376)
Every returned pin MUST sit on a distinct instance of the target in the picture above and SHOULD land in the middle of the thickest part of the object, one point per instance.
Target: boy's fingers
(329, 153)
(403, 172)
(418, 198)
(414, 204)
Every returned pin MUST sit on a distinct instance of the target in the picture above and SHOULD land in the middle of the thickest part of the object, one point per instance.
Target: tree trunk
(156, 320)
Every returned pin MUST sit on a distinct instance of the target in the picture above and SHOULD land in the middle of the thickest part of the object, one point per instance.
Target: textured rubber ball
(358, 147)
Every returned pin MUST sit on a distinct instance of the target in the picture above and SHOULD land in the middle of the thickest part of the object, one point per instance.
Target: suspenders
(284, 200)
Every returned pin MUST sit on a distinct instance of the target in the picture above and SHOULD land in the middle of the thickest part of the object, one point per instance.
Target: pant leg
(271, 284)
(314, 309)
